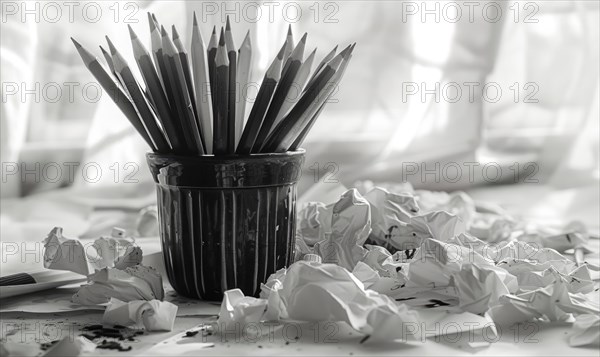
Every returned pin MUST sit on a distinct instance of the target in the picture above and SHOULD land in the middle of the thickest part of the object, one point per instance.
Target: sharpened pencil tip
(222, 38)
(111, 47)
(289, 33)
(227, 24)
(154, 18)
(151, 22)
(103, 50)
(281, 52)
(247, 40)
(195, 20)
(303, 39)
(77, 44)
(346, 52)
(214, 32)
(175, 34)
(131, 33)
(163, 32)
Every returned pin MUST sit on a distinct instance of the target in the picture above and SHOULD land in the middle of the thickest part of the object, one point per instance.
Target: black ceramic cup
(225, 221)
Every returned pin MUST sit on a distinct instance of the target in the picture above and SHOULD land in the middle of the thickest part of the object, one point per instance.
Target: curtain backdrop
(405, 101)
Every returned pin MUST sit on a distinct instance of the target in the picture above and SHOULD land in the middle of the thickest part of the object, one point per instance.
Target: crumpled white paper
(154, 315)
(112, 265)
(551, 303)
(350, 227)
(310, 291)
(61, 253)
(133, 283)
(70, 346)
(586, 331)
(450, 254)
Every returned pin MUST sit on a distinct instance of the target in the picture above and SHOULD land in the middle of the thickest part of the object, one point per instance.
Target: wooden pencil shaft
(292, 134)
(220, 125)
(138, 96)
(177, 112)
(113, 90)
(109, 62)
(232, 100)
(185, 64)
(232, 95)
(173, 133)
(155, 88)
(297, 86)
(304, 133)
(261, 103)
(120, 99)
(203, 96)
(287, 124)
(323, 62)
(243, 75)
(278, 98)
(211, 55)
(181, 102)
(145, 113)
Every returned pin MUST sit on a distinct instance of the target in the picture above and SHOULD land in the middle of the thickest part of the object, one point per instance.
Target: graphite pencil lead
(281, 52)
(222, 38)
(77, 44)
(151, 22)
(111, 46)
(131, 33)
(212, 43)
(227, 24)
(222, 59)
(175, 33)
(195, 21)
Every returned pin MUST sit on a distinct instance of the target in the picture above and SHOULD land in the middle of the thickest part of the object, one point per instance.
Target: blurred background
(445, 95)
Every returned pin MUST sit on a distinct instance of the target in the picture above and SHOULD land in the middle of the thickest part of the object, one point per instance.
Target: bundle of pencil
(190, 102)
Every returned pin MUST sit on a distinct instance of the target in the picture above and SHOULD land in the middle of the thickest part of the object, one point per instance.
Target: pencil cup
(225, 221)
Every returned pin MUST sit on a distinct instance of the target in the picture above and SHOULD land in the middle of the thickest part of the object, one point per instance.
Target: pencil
(232, 96)
(220, 118)
(211, 54)
(284, 135)
(295, 91)
(109, 62)
(287, 77)
(323, 62)
(304, 133)
(115, 93)
(289, 46)
(202, 85)
(180, 96)
(185, 64)
(156, 47)
(150, 76)
(243, 74)
(261, 103)
(139, 100)
(335, 79)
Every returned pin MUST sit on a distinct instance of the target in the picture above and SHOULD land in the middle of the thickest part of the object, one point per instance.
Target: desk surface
(32, 330)
(28, 331)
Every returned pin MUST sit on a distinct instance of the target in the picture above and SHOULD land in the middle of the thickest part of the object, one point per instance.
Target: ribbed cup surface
(228, 236)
